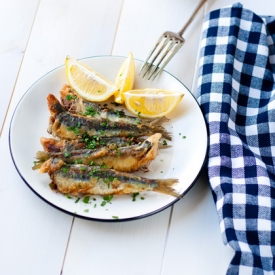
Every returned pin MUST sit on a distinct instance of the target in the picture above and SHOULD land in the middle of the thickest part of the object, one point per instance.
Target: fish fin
(42, 156)
(159, 121)
(51, 165)
(54, 105)
(156, 126)
(165, 187)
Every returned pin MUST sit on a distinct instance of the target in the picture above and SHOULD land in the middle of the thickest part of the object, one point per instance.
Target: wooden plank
(33, 234)
(16, 18)
(119, 248)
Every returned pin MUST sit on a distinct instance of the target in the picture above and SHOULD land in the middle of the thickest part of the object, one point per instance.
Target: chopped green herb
(79, 161)
(70, 97)
(95, 206)
(108, 198)
(94, 199)
(86, 199)
(83, 168)
(142, 198)
(67, 154)
(65, 169)
(103, 203)
(77, 200)
(134, 196)
(103, 124)
(68, 196)
(164, 142)
(89, 111)
(101, 132)
(92, 163)
(184, 137)
(86, 210)
(115, 217)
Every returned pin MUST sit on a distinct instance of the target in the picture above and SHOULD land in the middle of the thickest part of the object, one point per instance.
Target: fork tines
(166, 47)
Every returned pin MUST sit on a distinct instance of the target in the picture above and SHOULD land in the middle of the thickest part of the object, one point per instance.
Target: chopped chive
(86, 210)
(115, 217)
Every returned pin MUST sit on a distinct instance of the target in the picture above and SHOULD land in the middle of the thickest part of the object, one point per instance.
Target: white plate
(184, 160)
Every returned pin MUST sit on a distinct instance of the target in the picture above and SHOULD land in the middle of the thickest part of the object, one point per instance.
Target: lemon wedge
(151, 103)
(88, 83)
(125, 78)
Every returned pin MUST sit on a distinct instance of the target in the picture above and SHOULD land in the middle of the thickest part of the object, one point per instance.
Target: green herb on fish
(70, 97)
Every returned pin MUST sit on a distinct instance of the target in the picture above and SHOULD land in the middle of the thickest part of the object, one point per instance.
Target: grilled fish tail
(165, 187)
(156, 125)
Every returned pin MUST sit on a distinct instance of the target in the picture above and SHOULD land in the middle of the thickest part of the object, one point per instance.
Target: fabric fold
(237, 96)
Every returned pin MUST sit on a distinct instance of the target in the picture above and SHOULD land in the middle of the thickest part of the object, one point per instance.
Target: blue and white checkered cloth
(237, 97)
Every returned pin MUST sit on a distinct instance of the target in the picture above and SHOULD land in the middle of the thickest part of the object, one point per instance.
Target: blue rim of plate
(108, 220)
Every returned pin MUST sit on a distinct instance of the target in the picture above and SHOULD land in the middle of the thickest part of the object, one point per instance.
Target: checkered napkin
(237, 97)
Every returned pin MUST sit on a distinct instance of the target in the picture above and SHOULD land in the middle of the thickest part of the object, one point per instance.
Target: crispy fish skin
(65, 125)
(95, 180)
(126, 159)
(77, 105)
(60, 145)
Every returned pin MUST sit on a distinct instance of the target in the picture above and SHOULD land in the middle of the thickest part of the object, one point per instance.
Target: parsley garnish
(134, 196)
(77, 200)
(70, 97)
(86, 199)
(67, 154)
(108, 198)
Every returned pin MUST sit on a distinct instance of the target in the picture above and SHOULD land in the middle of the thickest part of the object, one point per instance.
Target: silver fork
(167, 45)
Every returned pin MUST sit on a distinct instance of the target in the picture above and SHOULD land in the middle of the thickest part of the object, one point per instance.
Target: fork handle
(191, 18)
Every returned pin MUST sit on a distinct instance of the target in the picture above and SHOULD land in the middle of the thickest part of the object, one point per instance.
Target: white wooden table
(35, 238)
